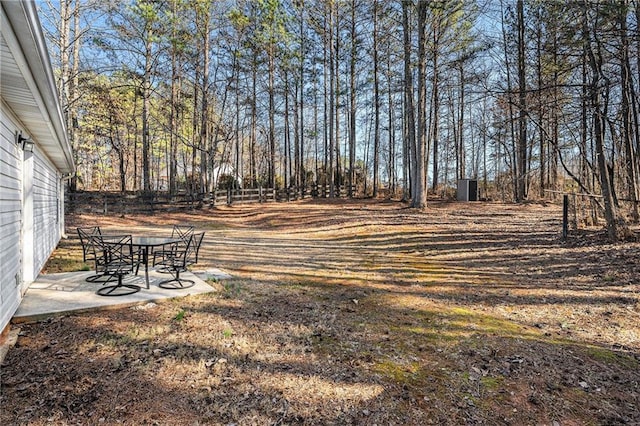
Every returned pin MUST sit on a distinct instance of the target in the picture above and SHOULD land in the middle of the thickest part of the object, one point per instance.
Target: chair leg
(100, 278)
(119, 289)
(176, 282)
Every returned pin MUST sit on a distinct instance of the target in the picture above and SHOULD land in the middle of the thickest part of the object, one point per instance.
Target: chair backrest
(85, 235)
(116, 251)
(179, 257)
(95, 251)
(194, 248)
(184, 232)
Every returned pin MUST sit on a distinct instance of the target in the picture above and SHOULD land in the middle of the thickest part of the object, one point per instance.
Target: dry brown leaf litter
(352, 312)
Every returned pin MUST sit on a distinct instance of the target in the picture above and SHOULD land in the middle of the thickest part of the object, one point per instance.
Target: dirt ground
(352, 312)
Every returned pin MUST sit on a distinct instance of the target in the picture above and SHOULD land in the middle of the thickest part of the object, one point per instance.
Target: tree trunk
(376, 104)
(435, 102)
(540, 107)
(146, 95)
(337, 179)
(297, 166)
(238, 133)
(462, 172)
(410, 127)
(352, 91)
(72, 123)
(287, 134)
(391, 124)
(204, 114)
(616, 228)
(521, 193)
(627, 99)
(272, 115)
(254, 124)
(510, 102)
(420, 199)
(332, 106)
(172, 159)
(300, 172)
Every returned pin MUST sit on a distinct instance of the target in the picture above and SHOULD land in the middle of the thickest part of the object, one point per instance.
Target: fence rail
(104, 202)
(253, 195)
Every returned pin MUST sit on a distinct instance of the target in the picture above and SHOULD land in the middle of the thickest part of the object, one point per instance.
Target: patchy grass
(611, 357)
(66, 258)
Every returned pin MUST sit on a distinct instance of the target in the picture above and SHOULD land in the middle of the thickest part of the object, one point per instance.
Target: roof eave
(23, 17)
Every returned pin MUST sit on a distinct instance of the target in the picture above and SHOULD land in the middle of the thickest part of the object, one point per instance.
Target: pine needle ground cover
(351, 312)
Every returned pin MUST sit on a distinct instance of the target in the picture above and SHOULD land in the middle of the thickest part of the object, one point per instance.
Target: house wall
(47, 215)
(31, 215)
(10, 218)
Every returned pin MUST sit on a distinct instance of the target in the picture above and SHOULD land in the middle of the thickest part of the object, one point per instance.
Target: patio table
(148, 243)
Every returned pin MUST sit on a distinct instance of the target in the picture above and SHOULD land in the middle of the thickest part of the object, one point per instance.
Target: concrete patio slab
(55, 294)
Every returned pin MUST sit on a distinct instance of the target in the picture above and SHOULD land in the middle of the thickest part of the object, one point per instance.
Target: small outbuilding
(35, 155)
(467, 190)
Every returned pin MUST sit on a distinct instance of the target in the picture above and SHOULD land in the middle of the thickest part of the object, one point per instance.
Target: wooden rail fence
(106, 202)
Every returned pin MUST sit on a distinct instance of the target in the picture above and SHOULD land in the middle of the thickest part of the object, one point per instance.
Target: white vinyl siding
(46, 227)
(30, 215)
(10, 219)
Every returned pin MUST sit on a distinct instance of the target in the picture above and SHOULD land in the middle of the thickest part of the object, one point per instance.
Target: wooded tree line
(530, 97)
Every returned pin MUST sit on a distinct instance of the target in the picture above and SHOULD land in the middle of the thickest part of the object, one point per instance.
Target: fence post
(229, 197)
(574, 212)
(565, 216)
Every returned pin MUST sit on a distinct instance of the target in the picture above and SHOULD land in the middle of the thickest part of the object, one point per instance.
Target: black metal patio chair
(116, 258)
(181, 232)
(176, 261)
(89, 254)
